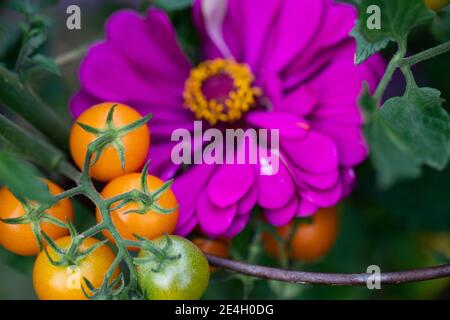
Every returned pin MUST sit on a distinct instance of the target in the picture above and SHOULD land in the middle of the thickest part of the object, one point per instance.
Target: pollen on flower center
(220, 90)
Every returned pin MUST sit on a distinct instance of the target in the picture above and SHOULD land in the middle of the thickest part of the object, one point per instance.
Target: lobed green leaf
(406, 133)
(398, 18)
(364, 48)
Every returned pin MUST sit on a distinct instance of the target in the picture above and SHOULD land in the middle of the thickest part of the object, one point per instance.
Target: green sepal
(37, 232)
(118, 145)
(72, 230)
(56, 263)
(133, 126)
(158, 193)
(51, 219)
(160, 210)
(136, 211)
(24, 219)
(109, 125)
(90, 129)
(144, 174)
(111, 136)
(52, 244)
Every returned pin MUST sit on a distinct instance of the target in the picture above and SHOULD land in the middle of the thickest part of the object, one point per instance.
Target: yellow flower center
(220, 90)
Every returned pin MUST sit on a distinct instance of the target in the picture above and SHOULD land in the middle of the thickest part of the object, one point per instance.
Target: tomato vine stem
(424, 55)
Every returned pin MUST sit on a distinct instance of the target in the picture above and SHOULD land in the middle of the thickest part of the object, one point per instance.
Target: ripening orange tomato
(65, 282)
(309, 242)
(136, 143)
(436, 4)
(219, 248)
(149, 225)
(19, 238)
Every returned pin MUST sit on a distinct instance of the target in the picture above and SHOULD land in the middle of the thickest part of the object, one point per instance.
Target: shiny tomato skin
(149, 225)
(309, 242)
(136, 143)
(64, 283)
(184, 278)
(18, 238)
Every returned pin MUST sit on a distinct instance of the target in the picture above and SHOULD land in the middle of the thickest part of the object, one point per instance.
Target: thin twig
(424, 55)
(73, 55)
(337, 279)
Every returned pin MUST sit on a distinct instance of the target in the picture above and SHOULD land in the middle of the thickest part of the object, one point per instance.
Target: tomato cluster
(67, 269)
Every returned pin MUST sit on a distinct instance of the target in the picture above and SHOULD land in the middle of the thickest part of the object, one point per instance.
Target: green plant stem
(424, 55)
(92, 231)
(73, 55)
(392, 66)
(91, 192)
(69, 193)
(18, 98)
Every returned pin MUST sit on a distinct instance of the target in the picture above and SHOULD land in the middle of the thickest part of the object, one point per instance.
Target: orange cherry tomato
(136, 143)
(309, 242)
(149, 225)
(19, 238)
(65, 282)
(219, 247)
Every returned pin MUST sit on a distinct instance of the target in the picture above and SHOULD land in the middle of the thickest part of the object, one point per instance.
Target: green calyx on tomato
(73, 254)
(22, 221)
(111, 135)
(34, 215)
(159, 256)
(172, 268)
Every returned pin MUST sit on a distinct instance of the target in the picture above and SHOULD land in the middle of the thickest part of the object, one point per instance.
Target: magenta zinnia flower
(269, 64)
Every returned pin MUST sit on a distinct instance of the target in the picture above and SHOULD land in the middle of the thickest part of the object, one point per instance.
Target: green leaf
(397, 17)
(365, 49)
(391, 161)
(41, 62)
(405, 133)
(22, 6)
(171, 5)
(21, 178)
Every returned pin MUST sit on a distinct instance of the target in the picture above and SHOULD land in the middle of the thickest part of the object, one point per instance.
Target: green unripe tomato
(184, 275)
(436, 4)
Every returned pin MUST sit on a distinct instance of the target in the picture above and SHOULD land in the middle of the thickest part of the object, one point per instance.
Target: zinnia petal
(282, 216)
(237, 226)
(188, 187)
(230, 183)
(275, 191)
(316, 153)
